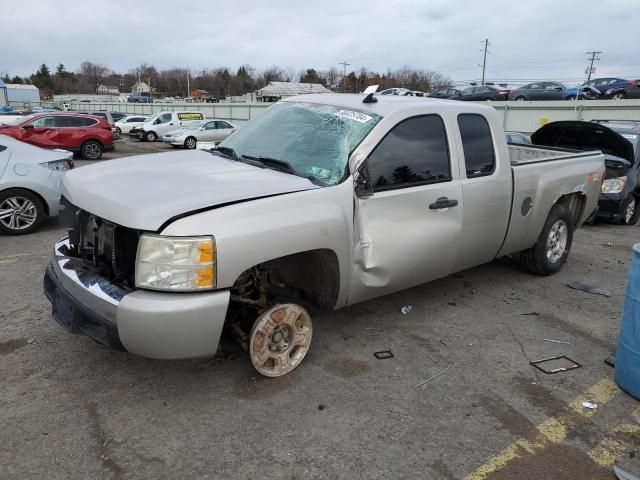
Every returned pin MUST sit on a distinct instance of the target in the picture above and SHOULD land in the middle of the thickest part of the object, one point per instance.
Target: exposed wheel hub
(280, 339)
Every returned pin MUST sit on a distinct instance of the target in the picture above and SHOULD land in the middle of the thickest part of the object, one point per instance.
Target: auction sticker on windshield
(351, 115)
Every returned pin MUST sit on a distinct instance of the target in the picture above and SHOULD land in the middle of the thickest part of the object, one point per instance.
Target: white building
(107, 90)
(140, 87)
(277, 90)
(22, 93)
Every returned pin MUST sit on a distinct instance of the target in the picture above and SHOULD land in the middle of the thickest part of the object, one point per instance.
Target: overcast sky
(546, 40)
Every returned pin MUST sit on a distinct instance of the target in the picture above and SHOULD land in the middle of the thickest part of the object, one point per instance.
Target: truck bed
(541, 175)
(523, 154)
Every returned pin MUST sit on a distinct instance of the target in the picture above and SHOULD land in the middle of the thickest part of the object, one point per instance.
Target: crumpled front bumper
(151, 324)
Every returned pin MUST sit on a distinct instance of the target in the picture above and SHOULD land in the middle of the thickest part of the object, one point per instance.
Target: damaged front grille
(109, 248)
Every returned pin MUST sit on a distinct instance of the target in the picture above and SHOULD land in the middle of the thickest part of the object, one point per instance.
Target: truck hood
(146, 191)
(577, 135)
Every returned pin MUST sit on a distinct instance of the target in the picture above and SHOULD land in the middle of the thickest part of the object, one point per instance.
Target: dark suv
(618, 141)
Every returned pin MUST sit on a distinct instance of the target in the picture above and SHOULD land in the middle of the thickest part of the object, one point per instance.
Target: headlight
(181, 264)
(58, 165)
(614, 185)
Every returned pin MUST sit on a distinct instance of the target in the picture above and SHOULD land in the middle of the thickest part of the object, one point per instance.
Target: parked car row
(599, 88)
(181, 129)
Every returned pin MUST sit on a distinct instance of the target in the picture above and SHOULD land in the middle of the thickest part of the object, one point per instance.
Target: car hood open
(584, 136)
(146, 191)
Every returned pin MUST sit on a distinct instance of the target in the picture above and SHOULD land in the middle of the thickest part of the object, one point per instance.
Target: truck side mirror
(362, 183)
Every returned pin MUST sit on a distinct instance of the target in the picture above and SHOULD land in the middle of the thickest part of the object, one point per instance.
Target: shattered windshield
(315, 140)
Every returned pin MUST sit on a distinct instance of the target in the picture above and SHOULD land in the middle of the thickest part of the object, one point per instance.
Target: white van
(160, 123)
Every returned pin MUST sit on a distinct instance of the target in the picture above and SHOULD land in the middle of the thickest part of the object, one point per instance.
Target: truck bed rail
(523, 154)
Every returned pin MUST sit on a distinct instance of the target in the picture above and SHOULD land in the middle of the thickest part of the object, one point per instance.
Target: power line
(344, 74)
(593, 58)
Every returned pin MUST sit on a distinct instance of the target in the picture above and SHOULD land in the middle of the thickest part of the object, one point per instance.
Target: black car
(630, 90)
(483, 92)
(446, 93)
(618, 141)
(538, 91)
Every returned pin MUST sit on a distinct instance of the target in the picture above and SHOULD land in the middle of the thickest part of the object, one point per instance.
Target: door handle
(443, 202)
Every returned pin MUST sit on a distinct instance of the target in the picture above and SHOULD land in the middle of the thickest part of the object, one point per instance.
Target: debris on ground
(551, 340)
(610, 360)
(383, 354)
(590, 405)
(453, 304)
(535, 314)
(435, 376)
(31, 340)
(589, 288)
(560, 363)
(322, 406)
(406, 309)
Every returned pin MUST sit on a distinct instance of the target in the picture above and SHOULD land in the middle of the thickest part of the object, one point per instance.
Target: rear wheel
(631, 211)
(118, 131)
(619, 96)
(551, 250)
(190, 143)
(150, 136)
(520, 99)
(21, 212)
(91, 150)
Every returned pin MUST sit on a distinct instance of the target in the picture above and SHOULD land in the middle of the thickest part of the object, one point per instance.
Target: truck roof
(388, 104)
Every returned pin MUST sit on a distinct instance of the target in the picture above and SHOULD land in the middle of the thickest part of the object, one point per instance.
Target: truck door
(407, 226)
(486, 190)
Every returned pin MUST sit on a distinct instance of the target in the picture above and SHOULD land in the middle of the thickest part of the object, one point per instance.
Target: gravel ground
(72, 409)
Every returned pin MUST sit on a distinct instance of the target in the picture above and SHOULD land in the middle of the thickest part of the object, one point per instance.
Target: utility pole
(590, 69)
(484, 59)
(344, 74)
(188, 89)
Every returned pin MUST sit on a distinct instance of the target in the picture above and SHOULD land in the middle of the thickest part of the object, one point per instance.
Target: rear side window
(414, 152)
(223, 124)
(477, 143)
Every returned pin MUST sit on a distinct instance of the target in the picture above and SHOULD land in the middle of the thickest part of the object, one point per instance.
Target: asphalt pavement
(73, 409)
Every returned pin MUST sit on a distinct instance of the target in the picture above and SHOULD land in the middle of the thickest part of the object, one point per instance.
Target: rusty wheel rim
(280, 339)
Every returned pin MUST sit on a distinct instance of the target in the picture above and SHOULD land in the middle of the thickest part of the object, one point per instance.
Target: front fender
(256, 231)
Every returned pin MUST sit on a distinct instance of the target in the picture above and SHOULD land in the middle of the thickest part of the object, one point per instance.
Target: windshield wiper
(225, 152)
(274, 163)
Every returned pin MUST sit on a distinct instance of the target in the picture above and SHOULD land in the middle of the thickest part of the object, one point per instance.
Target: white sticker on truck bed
(350, 114)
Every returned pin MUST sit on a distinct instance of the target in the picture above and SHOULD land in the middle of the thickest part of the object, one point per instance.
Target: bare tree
(94, 73)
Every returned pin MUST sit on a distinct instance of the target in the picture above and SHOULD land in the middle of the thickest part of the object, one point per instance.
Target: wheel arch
(575, 203)
(313, 273)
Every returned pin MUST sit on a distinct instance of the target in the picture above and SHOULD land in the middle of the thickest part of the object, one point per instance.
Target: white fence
(516, 116)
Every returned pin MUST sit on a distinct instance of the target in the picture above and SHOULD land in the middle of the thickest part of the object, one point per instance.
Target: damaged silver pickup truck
(321, 201)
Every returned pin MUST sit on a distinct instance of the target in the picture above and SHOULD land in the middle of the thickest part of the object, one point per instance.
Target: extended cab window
(414, 152)
(477, 143)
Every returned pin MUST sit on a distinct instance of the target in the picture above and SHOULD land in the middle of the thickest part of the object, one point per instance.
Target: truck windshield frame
(315, 139)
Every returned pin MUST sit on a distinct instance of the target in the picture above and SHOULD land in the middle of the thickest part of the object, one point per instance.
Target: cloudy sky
(545, 41)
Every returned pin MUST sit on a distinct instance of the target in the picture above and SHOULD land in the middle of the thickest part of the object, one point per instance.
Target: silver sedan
(210, 131)
(30, 182)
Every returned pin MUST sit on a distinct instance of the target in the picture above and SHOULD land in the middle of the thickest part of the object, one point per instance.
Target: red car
(84, 134)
